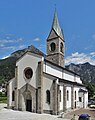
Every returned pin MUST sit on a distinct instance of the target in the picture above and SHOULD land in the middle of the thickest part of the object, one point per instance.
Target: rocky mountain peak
(31, 49)
(86, 71)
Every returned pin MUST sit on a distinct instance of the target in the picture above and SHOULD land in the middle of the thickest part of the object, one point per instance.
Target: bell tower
(55, 43)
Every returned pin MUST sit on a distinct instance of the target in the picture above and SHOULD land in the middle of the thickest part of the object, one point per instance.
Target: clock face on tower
(28, 72)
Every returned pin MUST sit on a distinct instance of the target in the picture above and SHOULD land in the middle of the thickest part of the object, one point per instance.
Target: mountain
(7, 66)
(86, 71)
(31, 48)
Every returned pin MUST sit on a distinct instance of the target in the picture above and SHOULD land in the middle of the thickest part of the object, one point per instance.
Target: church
(42, 84)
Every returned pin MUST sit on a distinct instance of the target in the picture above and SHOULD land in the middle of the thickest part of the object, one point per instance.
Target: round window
(28, 73)
(53, 46)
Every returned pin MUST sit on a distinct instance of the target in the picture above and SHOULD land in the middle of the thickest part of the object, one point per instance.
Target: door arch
(28, 101)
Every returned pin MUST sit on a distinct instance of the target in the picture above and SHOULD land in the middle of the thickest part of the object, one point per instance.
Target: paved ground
(7, 114)
(89, 111)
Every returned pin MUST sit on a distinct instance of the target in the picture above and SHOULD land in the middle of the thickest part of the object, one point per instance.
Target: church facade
(42, 84)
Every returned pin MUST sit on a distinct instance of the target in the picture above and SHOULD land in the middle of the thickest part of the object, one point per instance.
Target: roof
(31, 49)
(82, 90)
(11, 80)
(35, 50)
(29, 53)
(71, 82)
(56, 25)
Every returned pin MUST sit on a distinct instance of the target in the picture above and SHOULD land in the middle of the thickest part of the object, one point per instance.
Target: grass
(3, 98)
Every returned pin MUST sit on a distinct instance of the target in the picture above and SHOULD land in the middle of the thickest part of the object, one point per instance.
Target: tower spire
(56, 25)
(55, 43)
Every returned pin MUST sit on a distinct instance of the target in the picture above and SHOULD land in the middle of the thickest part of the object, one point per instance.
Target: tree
(91, 89)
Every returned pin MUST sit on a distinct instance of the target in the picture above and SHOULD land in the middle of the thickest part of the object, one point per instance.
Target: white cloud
(10, 40)
(1, 45)
(5, 57)
(37, 39)
(78, 58)
(21, 46)
(13, 47)
(42, 46)
(93, 36)
(9, 47)
(92, 54)
(19, 39)
(6, 41)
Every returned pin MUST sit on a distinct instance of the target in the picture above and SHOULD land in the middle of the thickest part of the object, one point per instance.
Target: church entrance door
(29, 105)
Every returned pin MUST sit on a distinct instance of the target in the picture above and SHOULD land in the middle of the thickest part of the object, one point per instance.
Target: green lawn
(3, 98)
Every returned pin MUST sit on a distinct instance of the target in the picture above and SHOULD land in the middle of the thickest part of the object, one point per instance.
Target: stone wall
(40, 88)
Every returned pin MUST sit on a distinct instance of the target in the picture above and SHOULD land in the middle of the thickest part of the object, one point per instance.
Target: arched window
(60, 95)
(13, 96)
(67, 95)
(48, 96)
(53, 46)
(61, 47)
(75, 95)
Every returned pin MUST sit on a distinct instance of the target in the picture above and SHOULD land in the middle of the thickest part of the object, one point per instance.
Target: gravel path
(8, 114)
(89, 111)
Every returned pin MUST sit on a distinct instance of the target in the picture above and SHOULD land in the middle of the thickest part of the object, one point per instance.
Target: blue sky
(28, 22)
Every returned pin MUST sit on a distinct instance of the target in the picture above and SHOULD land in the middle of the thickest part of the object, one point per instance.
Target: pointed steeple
(55, 43)
(56, 25)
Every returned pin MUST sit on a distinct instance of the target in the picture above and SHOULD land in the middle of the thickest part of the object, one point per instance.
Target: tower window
(48, 96)
(61, 47)
(53, 46)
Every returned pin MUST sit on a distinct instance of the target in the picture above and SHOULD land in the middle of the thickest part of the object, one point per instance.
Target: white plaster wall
(11, 88)
(68, 76)
(44, 68)
(77, 79)
(77, 96)
(47, 85)
(61, 103)
(23, 103)
(86, 100)
(52, 70)
(10, 94)
(68, 103)
(27, 61)
(60, 73)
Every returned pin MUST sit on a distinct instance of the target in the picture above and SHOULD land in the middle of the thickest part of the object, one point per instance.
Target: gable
(26, 62)
(52, 34)
(28, 56)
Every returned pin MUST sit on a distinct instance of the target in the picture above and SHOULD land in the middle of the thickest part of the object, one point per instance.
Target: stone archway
(27, 98)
